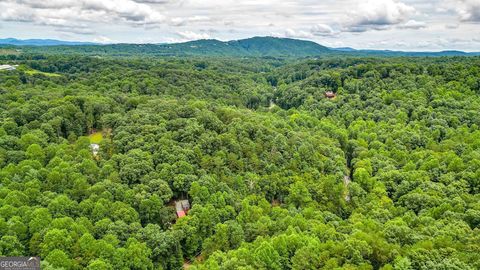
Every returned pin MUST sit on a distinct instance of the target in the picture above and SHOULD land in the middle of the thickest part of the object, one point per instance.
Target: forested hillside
(384, 173)
(250, 47)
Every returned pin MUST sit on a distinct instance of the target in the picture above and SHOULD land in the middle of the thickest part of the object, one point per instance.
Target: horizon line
(95, 43)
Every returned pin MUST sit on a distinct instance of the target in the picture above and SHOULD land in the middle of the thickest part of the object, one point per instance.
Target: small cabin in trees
(95, 148)
(330, 95)
(182, 208)
(8, 67)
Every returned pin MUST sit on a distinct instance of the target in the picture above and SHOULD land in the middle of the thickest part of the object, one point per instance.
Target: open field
(96, 137)
(34, 72)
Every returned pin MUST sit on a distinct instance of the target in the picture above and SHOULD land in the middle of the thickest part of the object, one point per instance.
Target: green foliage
(384, 176)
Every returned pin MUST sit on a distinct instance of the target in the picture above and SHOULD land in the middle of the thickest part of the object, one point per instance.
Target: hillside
(251, 47)
(280, 46)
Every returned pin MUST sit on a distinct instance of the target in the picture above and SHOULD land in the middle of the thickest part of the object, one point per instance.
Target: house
(95, 148)
(182, 208)
(7, 67)
(330, 95)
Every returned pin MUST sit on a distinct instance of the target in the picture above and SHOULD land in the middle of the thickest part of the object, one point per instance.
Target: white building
(8, 67)
(95, 148)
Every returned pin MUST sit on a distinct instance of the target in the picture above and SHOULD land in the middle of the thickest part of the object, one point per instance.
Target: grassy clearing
(32, 72)
(96, 137)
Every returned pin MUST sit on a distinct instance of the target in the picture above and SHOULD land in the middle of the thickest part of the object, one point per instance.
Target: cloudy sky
(427, 25)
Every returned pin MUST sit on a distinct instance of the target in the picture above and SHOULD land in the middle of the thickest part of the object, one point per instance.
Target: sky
(408, 25)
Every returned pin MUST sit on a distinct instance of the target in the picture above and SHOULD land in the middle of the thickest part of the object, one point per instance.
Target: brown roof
(330, 94)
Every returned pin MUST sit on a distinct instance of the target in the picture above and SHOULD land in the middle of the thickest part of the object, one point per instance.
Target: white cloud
(179, 21)
(73, 15)
(297, 34)
(152, 1)
(466, 10)
(59, 20)
(316, 30)
(322, 30)
(377, 15)
(44, 4)
(127, 10)
(412, 24)
(469, 10)
(452, 25)
(189, 35)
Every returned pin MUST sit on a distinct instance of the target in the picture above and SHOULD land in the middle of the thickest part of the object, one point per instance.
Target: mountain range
(250, 47)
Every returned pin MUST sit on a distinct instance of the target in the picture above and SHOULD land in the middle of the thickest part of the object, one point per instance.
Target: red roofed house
(181, 213)
(182, 208)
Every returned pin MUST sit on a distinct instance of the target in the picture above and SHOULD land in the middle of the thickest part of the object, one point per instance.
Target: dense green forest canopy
(385, 175)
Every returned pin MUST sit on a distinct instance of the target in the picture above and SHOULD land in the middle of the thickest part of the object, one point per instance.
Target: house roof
(95, 146)
(182, 205)
(7, 67)
(330, 94)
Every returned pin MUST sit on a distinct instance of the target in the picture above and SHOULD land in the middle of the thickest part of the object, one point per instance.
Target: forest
(330, 163)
